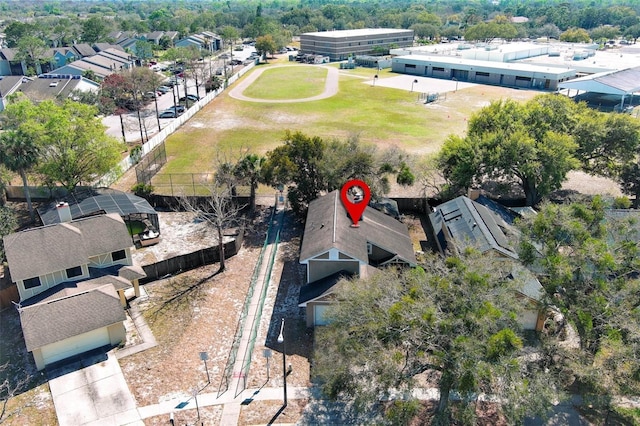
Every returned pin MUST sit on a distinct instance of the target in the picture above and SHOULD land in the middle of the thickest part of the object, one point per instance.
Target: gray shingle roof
(471, 224)
(328, 226)
(84, 49)
(67, 316)
(39, 251)
(40, 89)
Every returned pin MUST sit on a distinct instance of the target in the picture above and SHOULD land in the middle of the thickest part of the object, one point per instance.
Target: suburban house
(331, 249)
(8, 85)
(71, 278)
(106, 61)
(487, 226)
(202, 41)
(55, 87)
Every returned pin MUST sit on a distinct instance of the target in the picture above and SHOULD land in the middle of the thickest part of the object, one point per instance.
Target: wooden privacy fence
(186, 262)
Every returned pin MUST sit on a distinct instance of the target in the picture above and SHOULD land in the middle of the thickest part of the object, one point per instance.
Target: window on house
(438, 69)
(74, 272)
(409, 66)
(482, 74)
(32, 282)
(523, 78)
(118, 255)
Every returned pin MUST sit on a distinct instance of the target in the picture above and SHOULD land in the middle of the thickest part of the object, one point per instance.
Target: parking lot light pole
(284, 360)
(412, 83)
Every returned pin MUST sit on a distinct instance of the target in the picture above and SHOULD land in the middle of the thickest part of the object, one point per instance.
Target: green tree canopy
(8, 224)
(94, 30)
(453, 320)
(488, 31)
(529, 144)
(297, 163)
(266, 45)
(19, 153)
(588, 261)
(72, 143)
(575, 35)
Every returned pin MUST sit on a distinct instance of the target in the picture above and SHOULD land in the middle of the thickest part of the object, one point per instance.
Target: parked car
(164, 89)
(191, 97)
(168, 114)
(178, 109)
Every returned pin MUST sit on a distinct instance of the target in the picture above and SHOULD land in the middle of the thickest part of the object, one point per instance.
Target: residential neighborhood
(335, 213)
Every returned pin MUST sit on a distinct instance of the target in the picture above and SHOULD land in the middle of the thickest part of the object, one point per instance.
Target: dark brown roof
(61, 318)
(328, 226)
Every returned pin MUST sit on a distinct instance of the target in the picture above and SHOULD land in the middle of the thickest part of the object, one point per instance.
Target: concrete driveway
(93, 395)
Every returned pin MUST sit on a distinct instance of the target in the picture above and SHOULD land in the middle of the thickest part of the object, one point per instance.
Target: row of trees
(309, 166)
(450, 323)
(535, 144)
(58, 26)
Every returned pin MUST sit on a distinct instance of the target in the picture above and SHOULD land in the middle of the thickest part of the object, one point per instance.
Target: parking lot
(150, 119)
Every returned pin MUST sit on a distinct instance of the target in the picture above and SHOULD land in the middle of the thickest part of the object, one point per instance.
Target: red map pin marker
(355, 196)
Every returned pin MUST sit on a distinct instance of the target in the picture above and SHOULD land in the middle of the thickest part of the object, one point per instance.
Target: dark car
(168, 114)
(191, 97)
(179, 109)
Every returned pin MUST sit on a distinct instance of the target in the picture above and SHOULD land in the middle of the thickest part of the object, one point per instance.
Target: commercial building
(509, 74)
(339, 45)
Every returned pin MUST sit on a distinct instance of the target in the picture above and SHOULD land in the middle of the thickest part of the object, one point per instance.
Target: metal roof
(107, 200)
(623, 82)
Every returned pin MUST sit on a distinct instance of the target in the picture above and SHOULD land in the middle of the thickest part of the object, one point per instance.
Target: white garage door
(75, 345)
(319, 314)
(529, 320)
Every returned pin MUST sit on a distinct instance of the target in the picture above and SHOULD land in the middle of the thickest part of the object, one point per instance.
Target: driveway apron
(93, 395)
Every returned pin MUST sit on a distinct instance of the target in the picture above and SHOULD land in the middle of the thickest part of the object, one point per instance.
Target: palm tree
(19, 153)
(249, 169)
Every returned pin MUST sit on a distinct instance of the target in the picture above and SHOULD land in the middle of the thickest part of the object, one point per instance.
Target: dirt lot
(198, 311)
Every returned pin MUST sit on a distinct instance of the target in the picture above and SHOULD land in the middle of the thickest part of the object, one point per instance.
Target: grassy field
(382, 116)
(279, 83)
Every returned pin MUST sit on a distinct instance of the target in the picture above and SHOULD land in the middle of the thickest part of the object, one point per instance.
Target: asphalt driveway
(94, 395)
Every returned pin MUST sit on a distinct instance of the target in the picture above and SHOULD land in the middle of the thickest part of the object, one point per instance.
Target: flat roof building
(507, 74)
(339, 45)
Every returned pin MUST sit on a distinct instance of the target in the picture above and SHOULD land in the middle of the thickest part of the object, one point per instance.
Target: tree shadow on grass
(178, 293)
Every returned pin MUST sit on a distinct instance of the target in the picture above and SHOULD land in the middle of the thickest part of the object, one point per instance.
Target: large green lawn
(382, 116)
(282, 83)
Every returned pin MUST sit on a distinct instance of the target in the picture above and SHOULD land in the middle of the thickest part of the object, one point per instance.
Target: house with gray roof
(83, 49)
(332, 248)
(9, 84)
(463, 222)
(55, 86)
(69, 324)
(58, 268)
(485, 225)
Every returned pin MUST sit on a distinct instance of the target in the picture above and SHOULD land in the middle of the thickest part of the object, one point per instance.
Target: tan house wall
(38, 358)
(117, 333)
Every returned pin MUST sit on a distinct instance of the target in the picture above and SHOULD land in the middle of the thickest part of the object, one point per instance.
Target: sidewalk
(209, 399)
